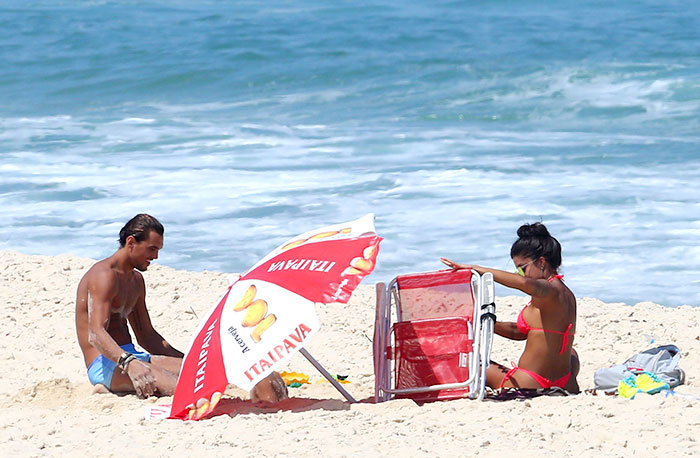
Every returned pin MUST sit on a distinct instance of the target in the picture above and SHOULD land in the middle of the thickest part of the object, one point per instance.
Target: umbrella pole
(328, 376)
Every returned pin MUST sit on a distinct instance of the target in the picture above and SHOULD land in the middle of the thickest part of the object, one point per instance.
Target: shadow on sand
(238, 406)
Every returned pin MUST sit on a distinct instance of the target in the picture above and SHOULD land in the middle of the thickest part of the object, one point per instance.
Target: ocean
(242, 124)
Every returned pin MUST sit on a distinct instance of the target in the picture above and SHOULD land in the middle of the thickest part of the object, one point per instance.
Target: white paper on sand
(156, 412)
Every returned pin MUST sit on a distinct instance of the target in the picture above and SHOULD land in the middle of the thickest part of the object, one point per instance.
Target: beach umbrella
(269, 313)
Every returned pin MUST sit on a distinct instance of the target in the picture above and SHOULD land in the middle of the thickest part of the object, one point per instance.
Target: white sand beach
(51, 410)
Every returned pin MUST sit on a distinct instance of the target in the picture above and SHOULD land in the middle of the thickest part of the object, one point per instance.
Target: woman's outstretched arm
(531, 286)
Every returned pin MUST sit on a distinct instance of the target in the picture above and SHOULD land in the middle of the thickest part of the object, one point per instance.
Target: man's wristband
(124, 360)
(128, 359)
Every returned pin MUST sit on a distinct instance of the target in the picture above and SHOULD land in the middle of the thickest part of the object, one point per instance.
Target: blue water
(241, 125)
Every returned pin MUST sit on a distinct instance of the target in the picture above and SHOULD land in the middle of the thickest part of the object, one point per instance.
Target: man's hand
(142, 378)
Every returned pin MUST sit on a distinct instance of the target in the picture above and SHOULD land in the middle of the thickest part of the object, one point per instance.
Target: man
(111, 293)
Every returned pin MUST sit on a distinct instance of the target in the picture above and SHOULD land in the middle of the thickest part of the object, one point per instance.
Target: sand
(51, 410)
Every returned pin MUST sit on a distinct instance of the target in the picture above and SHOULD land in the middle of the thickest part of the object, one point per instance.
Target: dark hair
(140, 227)
(534, 240)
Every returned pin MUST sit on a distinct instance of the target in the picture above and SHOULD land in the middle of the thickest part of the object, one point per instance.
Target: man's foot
(270, 389)
(100, 389)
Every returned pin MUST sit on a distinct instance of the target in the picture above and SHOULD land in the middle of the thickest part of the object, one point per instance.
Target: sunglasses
(520, 270)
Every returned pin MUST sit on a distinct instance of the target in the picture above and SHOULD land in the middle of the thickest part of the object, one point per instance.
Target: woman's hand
(455, 265)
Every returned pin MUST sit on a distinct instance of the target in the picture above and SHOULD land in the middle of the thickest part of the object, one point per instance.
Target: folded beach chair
(438, 345)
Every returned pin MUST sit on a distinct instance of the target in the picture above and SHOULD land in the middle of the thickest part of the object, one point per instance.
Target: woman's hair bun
(527, 231)
(534, 241)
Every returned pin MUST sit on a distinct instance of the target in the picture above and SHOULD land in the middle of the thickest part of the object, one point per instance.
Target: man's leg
(270, 389)
(168, 363)
(165, 381)
(100, 373)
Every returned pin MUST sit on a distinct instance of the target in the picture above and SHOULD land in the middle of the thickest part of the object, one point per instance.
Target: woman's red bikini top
(524, 328)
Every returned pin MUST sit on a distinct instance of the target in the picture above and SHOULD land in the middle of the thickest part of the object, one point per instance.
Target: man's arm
(145, 334)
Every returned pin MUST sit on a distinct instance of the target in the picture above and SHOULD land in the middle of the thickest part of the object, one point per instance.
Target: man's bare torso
(127, 289)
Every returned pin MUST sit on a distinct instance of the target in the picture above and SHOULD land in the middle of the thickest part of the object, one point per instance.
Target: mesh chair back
(439, 294)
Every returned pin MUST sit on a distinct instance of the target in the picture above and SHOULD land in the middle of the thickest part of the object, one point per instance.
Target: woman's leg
(519, 378)
(572, 384)
(494, 374)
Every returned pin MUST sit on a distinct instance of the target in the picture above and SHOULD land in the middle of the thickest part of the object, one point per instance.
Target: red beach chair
(438, 347)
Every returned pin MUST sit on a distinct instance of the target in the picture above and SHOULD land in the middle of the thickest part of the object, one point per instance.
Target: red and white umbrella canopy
(269, 313)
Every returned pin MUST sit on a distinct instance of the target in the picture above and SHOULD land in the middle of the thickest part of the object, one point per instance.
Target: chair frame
(484, 318)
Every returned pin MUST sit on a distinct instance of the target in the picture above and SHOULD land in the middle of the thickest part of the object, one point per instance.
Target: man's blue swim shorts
(101, 370)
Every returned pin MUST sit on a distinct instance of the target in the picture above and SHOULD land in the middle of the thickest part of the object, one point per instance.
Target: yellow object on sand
(627, 388)
(645, 382)
(650, 383)
(294, 377)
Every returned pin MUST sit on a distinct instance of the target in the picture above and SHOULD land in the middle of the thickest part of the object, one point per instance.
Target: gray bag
(661, 361)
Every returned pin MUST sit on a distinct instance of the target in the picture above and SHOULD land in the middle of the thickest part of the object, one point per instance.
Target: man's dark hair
(140, 226)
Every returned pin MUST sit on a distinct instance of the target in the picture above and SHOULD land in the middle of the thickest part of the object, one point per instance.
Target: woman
(548, 321)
